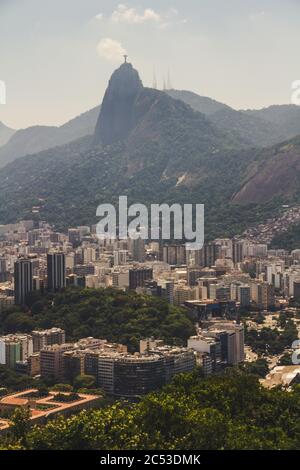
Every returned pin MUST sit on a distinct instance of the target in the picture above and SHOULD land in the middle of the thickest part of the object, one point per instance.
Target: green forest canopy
(227, 411)
(123, 317)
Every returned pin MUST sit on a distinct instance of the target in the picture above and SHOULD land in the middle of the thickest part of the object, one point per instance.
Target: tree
(62, 388)
(20, 423)
(11, 380)
(84, 381)
(285, 360)
(42, 390)
(259, 367)
(119, 317)
(230, 410)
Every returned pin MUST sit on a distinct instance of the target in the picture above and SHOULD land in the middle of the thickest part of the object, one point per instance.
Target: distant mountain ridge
(5, 134)
(203, 104)
(253, 128)
(286, 117)
(38, 138)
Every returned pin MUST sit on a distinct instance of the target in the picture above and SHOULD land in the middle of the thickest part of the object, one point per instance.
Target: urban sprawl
(219, 283)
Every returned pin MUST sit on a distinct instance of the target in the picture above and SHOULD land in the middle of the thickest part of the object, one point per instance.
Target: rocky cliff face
(277, 174)
(117, 118)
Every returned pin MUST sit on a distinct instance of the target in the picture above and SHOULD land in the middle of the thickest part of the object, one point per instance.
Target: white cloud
(125, 14)
(110, 50)
(260, 15)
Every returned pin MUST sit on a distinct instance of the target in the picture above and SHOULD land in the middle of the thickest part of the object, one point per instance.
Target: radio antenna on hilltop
(169, 83)
(154, 84)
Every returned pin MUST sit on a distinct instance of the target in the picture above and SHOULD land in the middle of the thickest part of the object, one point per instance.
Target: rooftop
(281, 375)
(44, 407)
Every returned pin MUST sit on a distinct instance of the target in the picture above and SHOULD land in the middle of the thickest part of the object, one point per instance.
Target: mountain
(5, 134)
(117, 118)
(203, 104)
(285, 117)
(38, 138)
(153, 148)
(253, 129)
(166, 151)
(276, 175)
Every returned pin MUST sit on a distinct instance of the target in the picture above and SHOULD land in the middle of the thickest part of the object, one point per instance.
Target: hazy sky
(57, 56)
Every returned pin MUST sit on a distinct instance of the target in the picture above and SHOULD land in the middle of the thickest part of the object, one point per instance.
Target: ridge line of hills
(35, 139)
(157, 146)
(255, 128)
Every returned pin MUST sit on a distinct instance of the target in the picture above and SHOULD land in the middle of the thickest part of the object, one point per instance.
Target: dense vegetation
(11, 380)
(260, 367)
(123, 317)
(228, 411)
(272, 341)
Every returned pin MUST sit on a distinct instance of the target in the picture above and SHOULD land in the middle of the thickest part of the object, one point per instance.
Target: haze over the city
(56, 57)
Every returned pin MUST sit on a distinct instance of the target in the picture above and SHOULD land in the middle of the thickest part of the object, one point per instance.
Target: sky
(56, 57)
